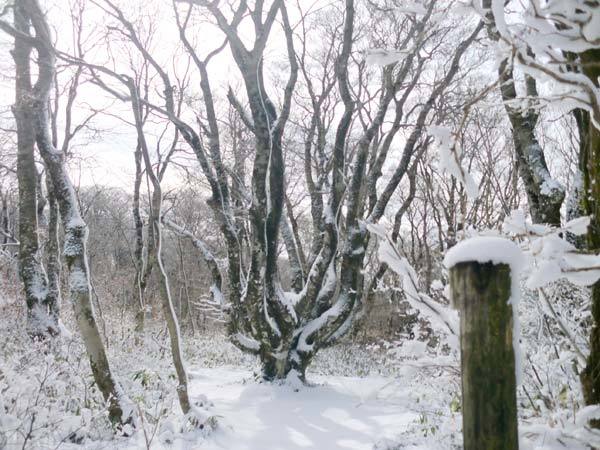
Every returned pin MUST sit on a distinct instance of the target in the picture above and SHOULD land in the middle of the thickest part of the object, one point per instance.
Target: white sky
(108, 159)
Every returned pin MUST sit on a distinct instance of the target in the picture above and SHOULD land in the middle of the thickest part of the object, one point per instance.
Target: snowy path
(346, 413)
(342, 413)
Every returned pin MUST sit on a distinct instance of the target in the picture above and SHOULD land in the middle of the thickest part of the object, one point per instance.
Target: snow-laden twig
(435, 312)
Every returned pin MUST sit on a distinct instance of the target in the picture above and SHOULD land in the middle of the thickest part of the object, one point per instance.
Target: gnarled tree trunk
(287, 329)
(75, 229)
(38, 296)
(544, 194)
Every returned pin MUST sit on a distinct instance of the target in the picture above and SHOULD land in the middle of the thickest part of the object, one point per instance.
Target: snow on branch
(198, 243)
(544, 43)
(551, 256)
(383, 57)
(547, 258)
(439, 315)
(450, 156)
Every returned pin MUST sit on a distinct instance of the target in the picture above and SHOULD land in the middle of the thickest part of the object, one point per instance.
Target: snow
(383, 57)
(381, 396)
(517, 225)
(246, 342)
(578, 226)
(591, 29)
(547, 272)
(316, 324)
(409, 7)
(551, 256)
(333, 415)
(539, 47)
(287, 301)
(78, 281)
(485, 249)
(437, 285)
(440, 316)
(551, 187)
(450, 157)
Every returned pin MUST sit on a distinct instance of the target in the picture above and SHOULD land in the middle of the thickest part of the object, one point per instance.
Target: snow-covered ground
(386, 396)
(360, 398)
(337, 413)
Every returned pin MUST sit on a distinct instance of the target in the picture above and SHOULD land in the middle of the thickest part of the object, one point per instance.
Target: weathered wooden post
(485, 294)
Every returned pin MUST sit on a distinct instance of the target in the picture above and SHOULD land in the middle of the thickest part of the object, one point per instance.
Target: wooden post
(481, 292)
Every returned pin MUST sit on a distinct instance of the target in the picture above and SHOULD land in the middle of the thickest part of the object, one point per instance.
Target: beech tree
(286, 329)
(345, 150)
(32, 115)
(41, 300)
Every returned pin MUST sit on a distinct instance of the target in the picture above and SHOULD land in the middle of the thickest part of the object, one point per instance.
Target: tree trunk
(544, 194)
(139, 283)
(31, 270)
(5, 219)
(53, 255)
(168, 309)
(155, 254)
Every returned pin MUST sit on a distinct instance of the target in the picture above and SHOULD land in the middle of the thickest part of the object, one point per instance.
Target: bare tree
(28, 14)
(155, 222)
(38, 295)
(286, 329)
(545, 195)
(154, 235)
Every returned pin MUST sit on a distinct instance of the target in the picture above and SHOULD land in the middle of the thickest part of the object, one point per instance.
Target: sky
(107, 158)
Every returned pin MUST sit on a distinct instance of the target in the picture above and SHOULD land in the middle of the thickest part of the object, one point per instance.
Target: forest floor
(359, 397)
(336, 413)
(379, 396)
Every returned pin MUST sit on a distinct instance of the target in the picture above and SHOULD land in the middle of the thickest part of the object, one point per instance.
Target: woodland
(353, 224)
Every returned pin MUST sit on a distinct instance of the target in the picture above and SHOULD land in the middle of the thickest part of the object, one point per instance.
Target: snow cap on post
(495, 250)
(484, 249)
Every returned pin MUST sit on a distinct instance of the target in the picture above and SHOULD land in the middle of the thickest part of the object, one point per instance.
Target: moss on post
(590, 377)
(481, 292)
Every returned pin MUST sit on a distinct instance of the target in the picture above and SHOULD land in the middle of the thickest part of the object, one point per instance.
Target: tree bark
(4, 219)
(31, 270)
(53, 255)
(139, 283)
(544, 194)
